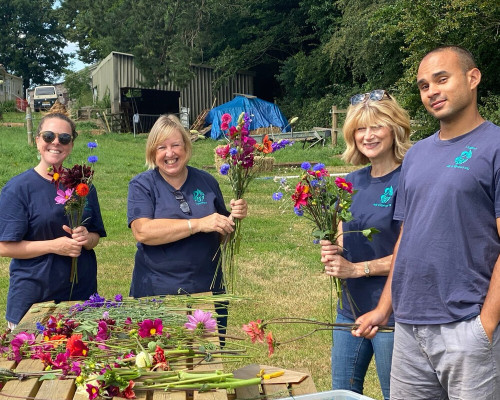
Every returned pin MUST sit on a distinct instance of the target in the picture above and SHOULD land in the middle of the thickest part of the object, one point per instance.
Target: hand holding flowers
(239, 157)
(73, 185)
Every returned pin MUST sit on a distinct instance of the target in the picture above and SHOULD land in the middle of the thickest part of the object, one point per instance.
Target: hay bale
(261, 164)
(58, 108)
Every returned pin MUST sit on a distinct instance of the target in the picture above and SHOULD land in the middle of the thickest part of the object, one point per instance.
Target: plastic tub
(331, 395)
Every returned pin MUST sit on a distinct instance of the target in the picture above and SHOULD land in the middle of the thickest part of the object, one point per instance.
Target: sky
(76, 65)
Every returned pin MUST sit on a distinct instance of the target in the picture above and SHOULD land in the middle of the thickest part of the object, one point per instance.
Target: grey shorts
(450, 361)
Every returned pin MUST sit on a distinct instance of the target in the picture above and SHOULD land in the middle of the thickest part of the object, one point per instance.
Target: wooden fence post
(335, 122)
(29, 125)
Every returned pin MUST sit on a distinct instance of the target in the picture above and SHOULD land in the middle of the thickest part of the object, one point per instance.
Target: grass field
(279, 268)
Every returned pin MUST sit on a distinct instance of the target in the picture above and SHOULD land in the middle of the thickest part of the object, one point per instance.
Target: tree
(162, 35)
(31, 40)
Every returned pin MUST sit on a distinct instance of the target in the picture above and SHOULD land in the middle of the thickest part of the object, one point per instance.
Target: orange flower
(270, 343)
(76, 346)
(254, 330)
(82, 189)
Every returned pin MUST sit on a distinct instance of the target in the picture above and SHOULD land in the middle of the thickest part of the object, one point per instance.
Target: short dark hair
(465, 57)
(62, 116)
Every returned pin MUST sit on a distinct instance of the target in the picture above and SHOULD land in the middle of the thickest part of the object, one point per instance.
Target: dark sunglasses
(182, 202)
(374, 95)
(49, 137)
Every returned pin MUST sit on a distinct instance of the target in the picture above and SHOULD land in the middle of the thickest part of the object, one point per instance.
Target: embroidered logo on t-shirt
(465, 156)
(199, 197)
(385, 197)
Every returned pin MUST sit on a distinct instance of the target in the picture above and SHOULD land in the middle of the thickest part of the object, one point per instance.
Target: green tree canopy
(31, 40)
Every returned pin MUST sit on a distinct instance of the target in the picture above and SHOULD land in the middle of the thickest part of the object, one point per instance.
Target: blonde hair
(163, 128)
(386, 112)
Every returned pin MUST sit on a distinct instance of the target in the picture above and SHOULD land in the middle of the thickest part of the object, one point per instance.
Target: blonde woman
(177, 215)
(377, 132)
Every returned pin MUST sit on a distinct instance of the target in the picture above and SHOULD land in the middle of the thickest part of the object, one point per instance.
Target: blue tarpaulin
(263, 114)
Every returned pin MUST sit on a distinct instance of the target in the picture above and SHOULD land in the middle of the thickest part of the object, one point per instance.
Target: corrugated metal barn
(117, 77)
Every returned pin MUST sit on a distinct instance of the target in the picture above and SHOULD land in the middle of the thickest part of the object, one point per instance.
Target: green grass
(279, 267)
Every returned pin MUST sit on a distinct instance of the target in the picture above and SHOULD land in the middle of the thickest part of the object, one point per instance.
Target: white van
(44, 97)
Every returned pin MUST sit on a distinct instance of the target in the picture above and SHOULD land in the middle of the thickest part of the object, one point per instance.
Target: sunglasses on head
(182, 202)
(49, 137)
(374, 95)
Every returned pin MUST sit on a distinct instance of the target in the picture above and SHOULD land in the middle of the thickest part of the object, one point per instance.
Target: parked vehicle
(44, 97)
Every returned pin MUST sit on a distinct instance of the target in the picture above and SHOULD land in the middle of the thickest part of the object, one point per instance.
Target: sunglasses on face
(49, 137)
(182, 202)
(375, 95)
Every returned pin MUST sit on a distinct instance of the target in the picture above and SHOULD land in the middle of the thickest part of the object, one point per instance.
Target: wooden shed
(117, 77)
(11, 86)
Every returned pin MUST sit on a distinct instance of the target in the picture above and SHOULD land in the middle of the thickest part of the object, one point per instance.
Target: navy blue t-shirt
(187, 265)
(372, 207)
(449, 199)
(29, 212)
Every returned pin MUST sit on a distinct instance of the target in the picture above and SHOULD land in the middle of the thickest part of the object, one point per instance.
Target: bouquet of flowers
(77, 183)
(325, 201)
(239, 157)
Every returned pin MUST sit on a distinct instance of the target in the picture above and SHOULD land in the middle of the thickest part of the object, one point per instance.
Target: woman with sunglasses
(177, 215)
(34, 229)
(376, 132)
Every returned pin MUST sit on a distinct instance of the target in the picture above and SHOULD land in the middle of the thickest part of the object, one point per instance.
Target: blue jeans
(351, 357)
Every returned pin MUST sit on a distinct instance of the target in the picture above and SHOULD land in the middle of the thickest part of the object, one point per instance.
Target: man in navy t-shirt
(444, 284)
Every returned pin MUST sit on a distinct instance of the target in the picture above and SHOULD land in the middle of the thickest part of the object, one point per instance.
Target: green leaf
(48, 377)
(368, 233)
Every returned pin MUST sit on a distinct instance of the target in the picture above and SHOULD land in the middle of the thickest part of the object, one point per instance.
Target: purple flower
(305, 165)
(21, 342)
(316, 241)
(318, 167)
(277, 196)
(119, 298)
(224, 169)
(92, 159)
(201, 320)
(149, 328)
(92, 145)
(298, 211)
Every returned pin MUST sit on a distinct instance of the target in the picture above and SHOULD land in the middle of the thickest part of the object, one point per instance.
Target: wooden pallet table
(33, 389)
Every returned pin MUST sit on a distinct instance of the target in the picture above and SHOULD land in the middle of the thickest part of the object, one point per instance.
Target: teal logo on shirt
(464, 156)
(199, 197)
(385, 197)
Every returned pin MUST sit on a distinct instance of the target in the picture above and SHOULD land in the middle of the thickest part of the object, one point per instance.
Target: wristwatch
(367, 270)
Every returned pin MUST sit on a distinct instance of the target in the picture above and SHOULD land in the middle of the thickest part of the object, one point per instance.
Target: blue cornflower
(92, 145)
(318, 167)
(233, 151)
(277, 196)
(305, 165)
(316, 241)
(40, 328)
(299, 211)
(283, 181)
(92, 159)
(224, 169)
(314, 182)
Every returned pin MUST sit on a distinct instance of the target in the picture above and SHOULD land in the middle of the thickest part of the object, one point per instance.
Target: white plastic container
(331, 395)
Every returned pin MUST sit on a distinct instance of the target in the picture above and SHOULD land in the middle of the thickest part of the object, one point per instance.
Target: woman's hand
(80, 234)
(215, 223)
(329, 249)
(339, 267)
(65, 246)
(239, 208)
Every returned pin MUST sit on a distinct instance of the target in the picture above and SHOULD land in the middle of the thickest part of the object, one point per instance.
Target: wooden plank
(27, 387)
(162, 395)
(39, 312)
(247, 372)
(219, 394)
(275, 389)
(60, 389)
